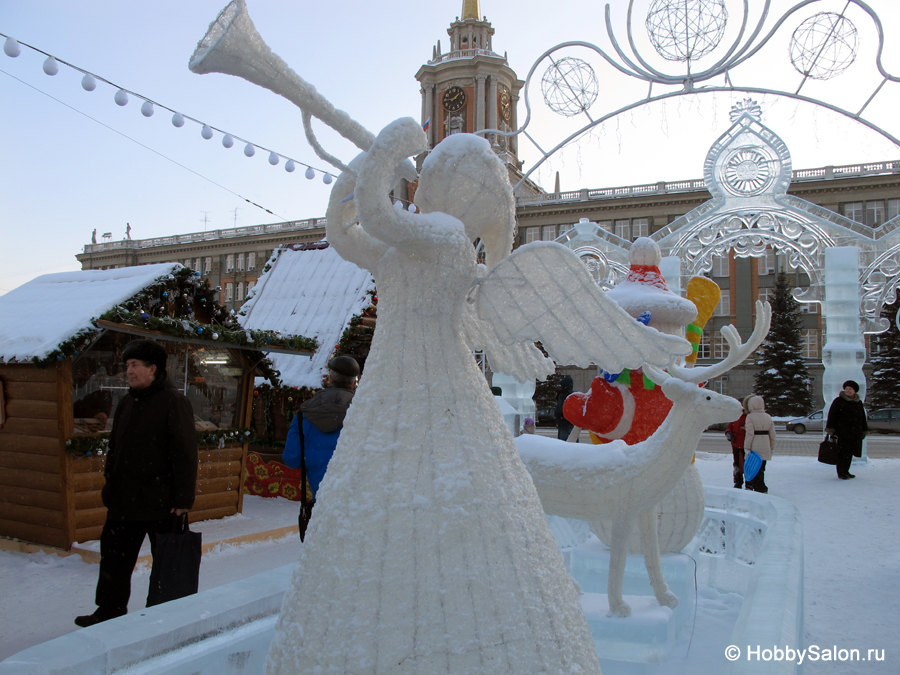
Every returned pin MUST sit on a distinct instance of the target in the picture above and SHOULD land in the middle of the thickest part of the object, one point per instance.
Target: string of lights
(12, 48)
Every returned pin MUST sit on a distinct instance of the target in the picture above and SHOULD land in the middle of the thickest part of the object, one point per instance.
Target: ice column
(520, 395)
(844, 353)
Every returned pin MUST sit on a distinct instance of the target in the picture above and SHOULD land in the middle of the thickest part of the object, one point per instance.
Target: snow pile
(41, 314)
(314, 293)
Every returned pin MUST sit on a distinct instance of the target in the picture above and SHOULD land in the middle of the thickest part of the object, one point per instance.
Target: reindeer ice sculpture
(617, 485)
(429, 551)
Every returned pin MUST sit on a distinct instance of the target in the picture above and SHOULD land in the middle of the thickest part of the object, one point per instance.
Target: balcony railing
(663, 187)
(211, 235)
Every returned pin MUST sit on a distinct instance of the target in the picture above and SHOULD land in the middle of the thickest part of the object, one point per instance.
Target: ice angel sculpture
(429, 551)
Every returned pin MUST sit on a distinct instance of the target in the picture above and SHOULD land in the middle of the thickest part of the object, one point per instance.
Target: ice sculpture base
(647, 635)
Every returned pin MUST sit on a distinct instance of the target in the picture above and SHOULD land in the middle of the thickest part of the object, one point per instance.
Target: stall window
(211, 378)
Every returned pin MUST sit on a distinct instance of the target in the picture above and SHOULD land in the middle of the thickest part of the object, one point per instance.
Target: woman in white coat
(759, 438)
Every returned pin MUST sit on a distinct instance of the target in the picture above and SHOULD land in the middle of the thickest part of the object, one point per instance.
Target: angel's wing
(521, 360)
(542, 292)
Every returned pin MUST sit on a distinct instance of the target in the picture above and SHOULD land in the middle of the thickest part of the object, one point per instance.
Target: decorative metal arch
(880, 281)
(567, 90)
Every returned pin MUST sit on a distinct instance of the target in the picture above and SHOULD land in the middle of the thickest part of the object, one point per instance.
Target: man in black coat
(151, 473)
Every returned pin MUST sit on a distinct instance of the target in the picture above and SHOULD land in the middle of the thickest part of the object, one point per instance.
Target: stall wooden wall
(52, 498)
(32, 457)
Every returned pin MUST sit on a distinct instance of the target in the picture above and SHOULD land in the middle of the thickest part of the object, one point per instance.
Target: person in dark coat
(322, 420)
(151, 473)
(847, 421)
(734, 432)
(563, 426)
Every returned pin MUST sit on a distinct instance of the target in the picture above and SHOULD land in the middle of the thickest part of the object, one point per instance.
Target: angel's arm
(397, 141)
(343, 231)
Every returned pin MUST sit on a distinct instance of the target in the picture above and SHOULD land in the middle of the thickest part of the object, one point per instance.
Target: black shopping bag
(176, 563)
(828, 450)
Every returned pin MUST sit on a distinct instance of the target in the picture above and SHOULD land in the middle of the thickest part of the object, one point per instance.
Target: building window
(767, 263)
(251, 261)
(893, 208)
(704, 351)
(187, 263)
(875, 213)
(719, 385)
(640, 227)
(229, 263)
(229, 292)
(532, 234)
(854, 211)
(720, 266)
(724, 306)
(239, 292)
(207, 265)
(765, 294)
(548, 233)
(605, 225)
(250, 285)
(623, 229)
(719, 346)
(809, 343)
(564, 228)
(240, 262)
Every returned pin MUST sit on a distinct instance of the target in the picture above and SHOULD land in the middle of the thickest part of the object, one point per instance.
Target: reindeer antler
(737, 352)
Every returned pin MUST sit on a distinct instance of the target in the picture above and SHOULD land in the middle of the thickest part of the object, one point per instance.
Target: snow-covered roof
(314, 293)
(41, 314)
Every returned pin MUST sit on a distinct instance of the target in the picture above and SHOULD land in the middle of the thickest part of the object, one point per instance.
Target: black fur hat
(851, 383)
(146, 350)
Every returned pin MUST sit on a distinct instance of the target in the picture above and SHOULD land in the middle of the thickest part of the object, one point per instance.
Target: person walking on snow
(759, 437)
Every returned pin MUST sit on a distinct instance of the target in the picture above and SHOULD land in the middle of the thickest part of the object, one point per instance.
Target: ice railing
(749, 543)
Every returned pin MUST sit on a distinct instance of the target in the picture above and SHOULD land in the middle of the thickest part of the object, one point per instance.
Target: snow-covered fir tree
(884, 357)
(783, 379)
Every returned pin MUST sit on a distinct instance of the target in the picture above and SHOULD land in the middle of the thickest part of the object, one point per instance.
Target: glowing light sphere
(178, 120)
(569, 86)
(206, 132)
(11, 48)
(685, 30)
(121, 97)
(227, 140)
(88, 83)
(310, 174)
(51, 67)
(147, 109)
(274, 158)
(824, 46)
(249, 150)
(289, 166)
(327, 178)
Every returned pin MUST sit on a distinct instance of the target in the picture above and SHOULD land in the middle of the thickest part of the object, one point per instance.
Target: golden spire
(471, 8)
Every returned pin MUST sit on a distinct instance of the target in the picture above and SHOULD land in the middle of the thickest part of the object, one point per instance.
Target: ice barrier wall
(749, 543)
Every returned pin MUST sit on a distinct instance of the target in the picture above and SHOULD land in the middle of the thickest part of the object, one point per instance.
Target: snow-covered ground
(851, 540)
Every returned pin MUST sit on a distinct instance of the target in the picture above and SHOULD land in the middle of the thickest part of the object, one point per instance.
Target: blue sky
(64, 174)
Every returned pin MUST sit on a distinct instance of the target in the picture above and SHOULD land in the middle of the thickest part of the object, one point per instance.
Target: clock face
(505, 105)
(454, 99)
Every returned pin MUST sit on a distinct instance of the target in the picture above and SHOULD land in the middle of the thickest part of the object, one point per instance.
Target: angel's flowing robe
(428, 550)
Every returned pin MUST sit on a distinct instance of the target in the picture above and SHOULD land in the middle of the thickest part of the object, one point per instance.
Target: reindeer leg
(647, 521)
(617, 553)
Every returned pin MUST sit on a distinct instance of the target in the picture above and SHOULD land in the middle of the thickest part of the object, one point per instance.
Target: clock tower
(470, 87)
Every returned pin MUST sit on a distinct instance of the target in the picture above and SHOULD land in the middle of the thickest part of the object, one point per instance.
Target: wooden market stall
(61, 377)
